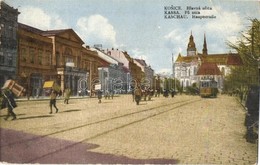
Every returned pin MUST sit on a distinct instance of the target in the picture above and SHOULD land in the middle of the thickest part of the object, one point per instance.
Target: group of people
(8, 100)
(53, 97)
(138, 93)
(167, 92)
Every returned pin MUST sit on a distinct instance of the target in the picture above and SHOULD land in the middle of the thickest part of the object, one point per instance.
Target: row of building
(32, 56)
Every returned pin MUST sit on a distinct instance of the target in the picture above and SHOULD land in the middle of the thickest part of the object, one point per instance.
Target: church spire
(205, 50)
(191, 48)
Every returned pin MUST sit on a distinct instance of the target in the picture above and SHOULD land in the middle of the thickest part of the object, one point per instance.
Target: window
(68, 52)
(194, 70)
(58, 59)
(87, 65)
(2, 59)
(32, 55)
(40, 57)
(9, 59)
(223, 71)
(14, 33)
(23, 54)
(70, 62)
(47, 58)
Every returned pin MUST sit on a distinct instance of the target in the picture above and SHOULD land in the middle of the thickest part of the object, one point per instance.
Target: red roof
(208, 69)
(234, 60)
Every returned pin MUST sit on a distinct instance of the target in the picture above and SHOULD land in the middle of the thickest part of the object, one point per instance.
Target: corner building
(55, 55)
(8, 42)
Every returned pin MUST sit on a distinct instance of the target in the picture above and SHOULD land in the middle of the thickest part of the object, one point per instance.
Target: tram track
(104, 120)
(149, 113)
(182, 103)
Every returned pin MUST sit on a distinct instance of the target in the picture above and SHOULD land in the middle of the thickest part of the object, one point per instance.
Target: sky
(144, 28)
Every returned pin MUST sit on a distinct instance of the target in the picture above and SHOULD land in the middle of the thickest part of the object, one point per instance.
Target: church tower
(191, 49)
(205, 50)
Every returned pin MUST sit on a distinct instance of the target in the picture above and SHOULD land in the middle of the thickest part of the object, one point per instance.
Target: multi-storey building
(186, 68)
(8, 42)
(135, 73)
(148, 72)
(56, 55)
(113, 77)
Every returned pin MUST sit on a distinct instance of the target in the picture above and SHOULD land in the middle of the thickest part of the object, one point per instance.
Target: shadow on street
(55, 151)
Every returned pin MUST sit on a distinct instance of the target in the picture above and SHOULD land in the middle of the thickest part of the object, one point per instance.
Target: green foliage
(169, 84)
(192, 90)
(248, 48)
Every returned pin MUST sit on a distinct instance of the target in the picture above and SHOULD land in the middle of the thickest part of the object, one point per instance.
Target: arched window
(187, 83)
(194, 71)
(223, 71)
(68, 52)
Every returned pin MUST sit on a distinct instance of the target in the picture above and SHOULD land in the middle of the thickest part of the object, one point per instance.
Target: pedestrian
(67, 94)
(9, 102)
(150, 94)
(172, 93)
(112, 94)
(53, 97)
(252, 116)
(133, 94)
(99, 93)
(107, 94)
(138, 94)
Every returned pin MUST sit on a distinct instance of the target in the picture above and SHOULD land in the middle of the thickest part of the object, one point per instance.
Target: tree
(248, 48)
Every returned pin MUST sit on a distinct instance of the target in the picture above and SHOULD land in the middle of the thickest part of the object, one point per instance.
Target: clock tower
(191, 48)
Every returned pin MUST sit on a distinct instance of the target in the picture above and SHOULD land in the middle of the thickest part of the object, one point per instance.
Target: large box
(17, 89)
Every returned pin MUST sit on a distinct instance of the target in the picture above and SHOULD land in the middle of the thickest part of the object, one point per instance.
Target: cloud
(138, 54)
(165, 71)
(176, 40)
(96, 29)
(36, 17)
(225, 27)
(229, 24)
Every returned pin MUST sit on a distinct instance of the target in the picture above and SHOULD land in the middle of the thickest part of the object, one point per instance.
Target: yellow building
(55, 55)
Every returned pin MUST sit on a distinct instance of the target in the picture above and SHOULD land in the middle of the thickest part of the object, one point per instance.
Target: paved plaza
(180, 130)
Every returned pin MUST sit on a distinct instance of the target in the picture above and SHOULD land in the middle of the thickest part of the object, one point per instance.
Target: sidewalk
(43, 98)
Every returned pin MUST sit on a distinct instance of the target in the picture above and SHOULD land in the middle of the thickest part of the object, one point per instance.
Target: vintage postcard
(129, 81)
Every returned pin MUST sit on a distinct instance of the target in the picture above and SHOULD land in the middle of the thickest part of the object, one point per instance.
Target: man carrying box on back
(9, 102)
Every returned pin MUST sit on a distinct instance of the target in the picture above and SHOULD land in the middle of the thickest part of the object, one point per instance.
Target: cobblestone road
(183, 130)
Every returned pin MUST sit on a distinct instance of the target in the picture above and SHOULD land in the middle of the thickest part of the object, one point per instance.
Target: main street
(183, 129)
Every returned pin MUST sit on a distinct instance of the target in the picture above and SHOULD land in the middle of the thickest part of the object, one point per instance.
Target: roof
(215, 58)
(105, 57)
(29, 28)
(208, 69)
(141, 61)
(54, 32)
(187, 59)
(234, 60)
(49, 32)
(219, 59)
